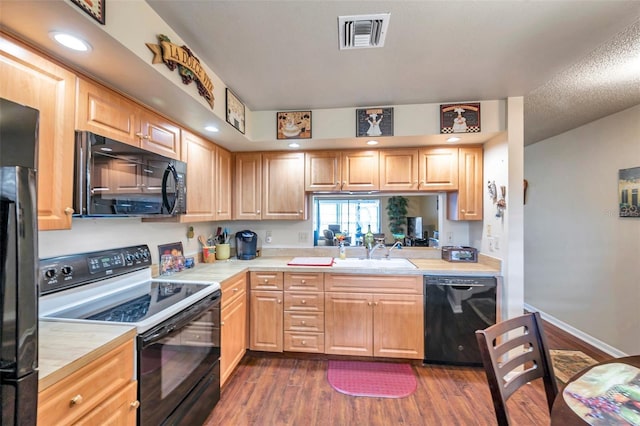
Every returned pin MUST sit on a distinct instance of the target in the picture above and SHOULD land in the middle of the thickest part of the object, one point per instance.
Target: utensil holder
(223, 251)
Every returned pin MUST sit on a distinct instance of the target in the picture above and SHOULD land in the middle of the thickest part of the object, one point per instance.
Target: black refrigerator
(18, 264)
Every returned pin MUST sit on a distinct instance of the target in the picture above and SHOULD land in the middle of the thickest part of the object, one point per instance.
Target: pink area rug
(373, 379)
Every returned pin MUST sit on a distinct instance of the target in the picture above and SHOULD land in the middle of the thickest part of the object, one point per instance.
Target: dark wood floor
(277, 389)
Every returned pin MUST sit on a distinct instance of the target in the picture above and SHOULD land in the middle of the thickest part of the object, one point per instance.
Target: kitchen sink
(393, 263)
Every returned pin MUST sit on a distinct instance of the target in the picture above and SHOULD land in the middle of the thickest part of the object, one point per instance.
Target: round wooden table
(562, 414)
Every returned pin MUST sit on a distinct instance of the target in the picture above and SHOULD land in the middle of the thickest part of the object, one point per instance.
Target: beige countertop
(65, 347)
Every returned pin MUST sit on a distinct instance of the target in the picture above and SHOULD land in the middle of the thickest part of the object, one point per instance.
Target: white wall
(581, 259)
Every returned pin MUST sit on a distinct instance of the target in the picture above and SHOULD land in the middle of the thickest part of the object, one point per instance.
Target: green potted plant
(397, 213)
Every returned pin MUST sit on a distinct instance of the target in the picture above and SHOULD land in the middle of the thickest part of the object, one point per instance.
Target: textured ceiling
(572, 61)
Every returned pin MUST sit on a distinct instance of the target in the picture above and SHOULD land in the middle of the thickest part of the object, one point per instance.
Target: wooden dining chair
(514, 359)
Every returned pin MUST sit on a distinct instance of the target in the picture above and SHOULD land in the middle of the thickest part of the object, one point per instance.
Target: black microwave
(112, 178)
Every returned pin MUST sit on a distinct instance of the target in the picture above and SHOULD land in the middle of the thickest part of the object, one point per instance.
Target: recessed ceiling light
(453, 139)
(70, 41)
(211, 129)
(372, 142)
(294, 145)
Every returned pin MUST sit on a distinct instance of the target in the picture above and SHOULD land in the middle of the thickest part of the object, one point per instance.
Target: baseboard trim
(577, 333)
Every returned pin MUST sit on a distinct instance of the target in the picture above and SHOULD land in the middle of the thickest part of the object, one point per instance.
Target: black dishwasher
(455, 307)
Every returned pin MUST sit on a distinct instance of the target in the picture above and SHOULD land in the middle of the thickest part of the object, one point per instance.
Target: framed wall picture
(460, 118)
(629, 192)
(235, 111)
(372, 122)
(94, 8)
(293, 125)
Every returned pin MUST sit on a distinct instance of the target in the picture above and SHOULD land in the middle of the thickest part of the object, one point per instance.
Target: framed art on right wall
(628, 188)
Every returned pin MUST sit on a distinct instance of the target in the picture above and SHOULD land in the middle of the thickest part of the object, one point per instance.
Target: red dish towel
(373, 379)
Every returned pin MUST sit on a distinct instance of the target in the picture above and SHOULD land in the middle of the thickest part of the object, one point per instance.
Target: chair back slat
(515, 352)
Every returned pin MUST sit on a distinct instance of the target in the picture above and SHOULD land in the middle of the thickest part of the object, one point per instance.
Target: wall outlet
(268, 237)
(303, 237)
(450, 237)
(488, 230)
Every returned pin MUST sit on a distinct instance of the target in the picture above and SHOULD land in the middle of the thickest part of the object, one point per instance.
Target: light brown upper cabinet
(283, 194)
(222, 193)
(200, 157)
(107, 113)
(399, 169)
(32, 80)
(269, 186)
(336, 171)
(247, 200)
(322, 171)
(466, 204)
(438, 169)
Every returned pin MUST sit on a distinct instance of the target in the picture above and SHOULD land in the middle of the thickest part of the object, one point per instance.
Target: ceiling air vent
(363, 31)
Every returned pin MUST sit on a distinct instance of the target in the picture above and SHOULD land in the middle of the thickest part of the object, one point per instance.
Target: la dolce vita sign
(188, 65)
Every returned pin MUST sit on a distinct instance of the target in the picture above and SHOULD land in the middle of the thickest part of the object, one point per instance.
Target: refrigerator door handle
(7, 291)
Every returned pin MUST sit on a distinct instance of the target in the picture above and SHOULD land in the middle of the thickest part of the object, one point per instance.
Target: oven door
(175, 357)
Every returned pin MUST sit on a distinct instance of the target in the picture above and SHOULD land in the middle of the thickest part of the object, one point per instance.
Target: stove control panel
(63, 272)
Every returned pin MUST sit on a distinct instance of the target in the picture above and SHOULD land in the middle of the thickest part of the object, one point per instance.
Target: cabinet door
(32, 80)
(283, 196)
(199, 155)
(266, 321)
(159, 135)
(232, 336)
(120, 409)
(399, 170)
(398, 322)
(438, 169)
(348, 324)
(467, 203)
(248, 187)
(222, 192)
(107, 113)
(360, 171)
(322, 171)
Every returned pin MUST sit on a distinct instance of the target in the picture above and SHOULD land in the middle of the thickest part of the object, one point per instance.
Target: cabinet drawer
(232, 289)
(120, 409)
(309, 301)
(304, 321)
(398, 284)
(267, 281)
(80, 392)
(304, 281)
(303, 342)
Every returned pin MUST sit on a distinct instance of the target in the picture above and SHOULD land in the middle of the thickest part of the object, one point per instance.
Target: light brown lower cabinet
(266, 312)
(304, 312)
(234, 324)
(374, 315)
(102, 392)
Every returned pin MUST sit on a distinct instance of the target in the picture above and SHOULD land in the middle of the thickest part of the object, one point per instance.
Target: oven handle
(178, 321)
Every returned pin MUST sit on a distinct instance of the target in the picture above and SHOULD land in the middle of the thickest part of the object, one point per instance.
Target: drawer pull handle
(135, 404)
(76, 400)
(304, 302)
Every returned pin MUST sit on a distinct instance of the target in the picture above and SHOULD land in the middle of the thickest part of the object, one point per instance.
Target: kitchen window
(348, 216)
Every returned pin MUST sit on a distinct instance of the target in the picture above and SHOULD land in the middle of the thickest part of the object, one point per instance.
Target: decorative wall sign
(294, 125)
(188, 65)
(372, 122)
(235, 111)
(628, 192)
(94, 8)
(460, 118)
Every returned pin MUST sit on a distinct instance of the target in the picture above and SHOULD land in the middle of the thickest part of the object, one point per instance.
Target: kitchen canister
(209, 254)
(223, 251)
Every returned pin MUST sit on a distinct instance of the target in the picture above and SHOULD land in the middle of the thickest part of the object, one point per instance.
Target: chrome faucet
(395, 245)
(371, 250)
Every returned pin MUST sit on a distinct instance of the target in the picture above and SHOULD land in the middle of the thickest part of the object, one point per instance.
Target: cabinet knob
(304, 302)
(139, 134)
(304, 342)
(337, 183)
(279, 301)
(258, 211)
(375, 303)
(300, 211)
(147, 137)
(302, 281)
(462, 211)
(135, 404)
(369, 303)
(303, 322)
(69, 211)
(76, 400)
(266, 280)
(221, 323)
(235, 289)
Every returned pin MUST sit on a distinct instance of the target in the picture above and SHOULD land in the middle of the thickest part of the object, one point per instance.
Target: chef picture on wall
(460, 118)
(373, 122)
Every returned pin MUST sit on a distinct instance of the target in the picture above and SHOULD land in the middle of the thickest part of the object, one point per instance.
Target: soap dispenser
(342, 251)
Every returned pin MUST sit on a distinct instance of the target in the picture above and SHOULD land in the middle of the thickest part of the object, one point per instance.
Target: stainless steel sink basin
(394, 263)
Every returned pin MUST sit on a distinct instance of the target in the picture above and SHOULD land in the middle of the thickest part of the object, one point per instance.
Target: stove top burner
(132, 311)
